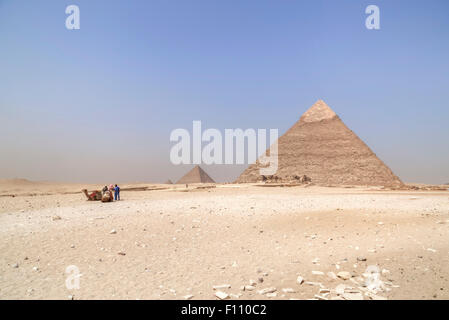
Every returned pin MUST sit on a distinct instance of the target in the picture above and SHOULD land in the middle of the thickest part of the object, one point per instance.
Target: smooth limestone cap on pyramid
(196, 175)
(321, 147)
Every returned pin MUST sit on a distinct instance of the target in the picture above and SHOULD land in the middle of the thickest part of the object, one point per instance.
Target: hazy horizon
(98, 104)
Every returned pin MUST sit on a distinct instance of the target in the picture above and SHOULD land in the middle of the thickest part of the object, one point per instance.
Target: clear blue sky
(99, 103)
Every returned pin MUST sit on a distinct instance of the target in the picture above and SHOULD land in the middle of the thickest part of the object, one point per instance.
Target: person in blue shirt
(117, 193)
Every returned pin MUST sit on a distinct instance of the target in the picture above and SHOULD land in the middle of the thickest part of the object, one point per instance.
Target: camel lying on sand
(93, 196)
(96, 195)
(107, 196)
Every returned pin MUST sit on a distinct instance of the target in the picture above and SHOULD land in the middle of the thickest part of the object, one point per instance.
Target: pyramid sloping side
(196, 175)
(329, 153)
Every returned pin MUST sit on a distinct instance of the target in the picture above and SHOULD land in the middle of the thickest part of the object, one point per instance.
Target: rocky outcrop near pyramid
(196, 175)
(321, 147)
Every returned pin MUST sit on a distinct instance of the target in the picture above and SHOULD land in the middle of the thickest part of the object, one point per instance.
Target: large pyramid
(321, 147)
(196, 175)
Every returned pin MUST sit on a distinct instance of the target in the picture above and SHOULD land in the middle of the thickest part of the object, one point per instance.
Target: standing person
(117, 192)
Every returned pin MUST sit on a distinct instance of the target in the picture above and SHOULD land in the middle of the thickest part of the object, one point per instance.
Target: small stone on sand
(221, 295)
(344, 275)
(222, 286)
(267, 290)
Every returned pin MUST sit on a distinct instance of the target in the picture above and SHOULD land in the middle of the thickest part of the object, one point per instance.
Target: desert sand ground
(179, 243)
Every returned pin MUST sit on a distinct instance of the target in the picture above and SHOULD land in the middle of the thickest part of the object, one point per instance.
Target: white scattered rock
(221, 295)
(344, 275)
(288, 290)
(300, 280)
(252, 282)
(248, 288)
(188, 297)
(352, 296)
(113, 231)
(351, 290)
(310, 283)
(267, 290)
(340, 289)
(431, 250)
(271, 294)
(222, 286)
(318, 273)
(15, 265)
(332, 275)
(373, 296)
(319, 297)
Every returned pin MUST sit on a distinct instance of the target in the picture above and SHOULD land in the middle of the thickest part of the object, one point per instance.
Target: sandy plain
(173, 242)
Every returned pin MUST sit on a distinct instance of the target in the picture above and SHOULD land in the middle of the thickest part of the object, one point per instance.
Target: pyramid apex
(319, 111)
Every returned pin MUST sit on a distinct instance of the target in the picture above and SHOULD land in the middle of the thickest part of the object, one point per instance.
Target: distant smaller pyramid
(196, 175)
(168, 182)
